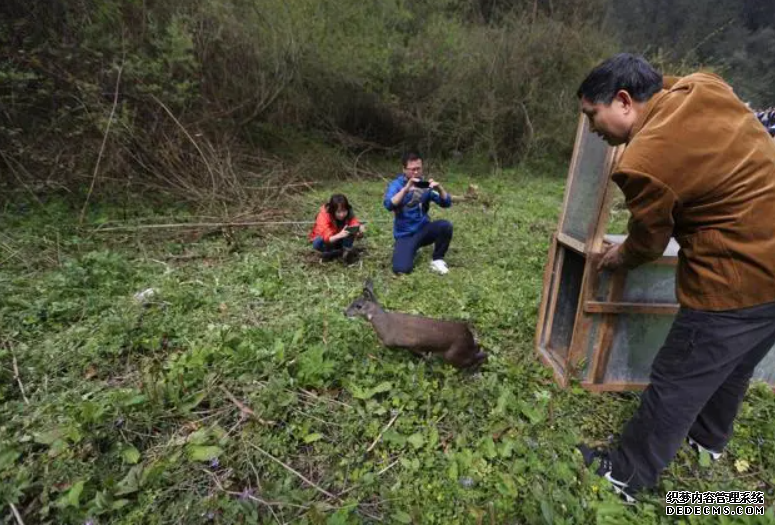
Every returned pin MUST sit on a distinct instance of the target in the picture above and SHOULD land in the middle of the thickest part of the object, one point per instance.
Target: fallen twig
(280, 186)
(212, 225)
(244, 408)
(295, 472)
(196, 225)
(191, 139)
(14, 254)
(16, 514)
(102, 148)
(307, 393)
(248, 495)
(378, 474)
(16, 373)
(376, 440)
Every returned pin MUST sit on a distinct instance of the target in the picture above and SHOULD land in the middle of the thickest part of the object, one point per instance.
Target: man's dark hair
(623, 71)
(409, 156)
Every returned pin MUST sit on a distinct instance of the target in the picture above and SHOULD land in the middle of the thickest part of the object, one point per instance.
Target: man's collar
(667, 84)
(645, 112)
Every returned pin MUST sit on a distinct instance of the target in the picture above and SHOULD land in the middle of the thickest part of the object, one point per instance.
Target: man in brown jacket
(700, 167)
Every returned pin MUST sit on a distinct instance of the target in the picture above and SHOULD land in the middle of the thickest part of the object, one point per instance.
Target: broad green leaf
(391, 436)
(547, 512)
(203, 453)
(311, 438)
(503, 401)
(102, 500)
(402, 517)
(532, 414)
(368, 393)
(507, 447)
(193, 402)
(452, 471)
(8, 457)
(433, 439)
(73, 496)
(416, 440)
(359, 393)
(385, 386)
(48, 438)
(200, 437)
(488, 447)
(130, 454)
(135, 400)
(131, 482)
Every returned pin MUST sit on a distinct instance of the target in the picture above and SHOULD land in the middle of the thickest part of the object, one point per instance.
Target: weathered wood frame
(584, 350)
(568, 363)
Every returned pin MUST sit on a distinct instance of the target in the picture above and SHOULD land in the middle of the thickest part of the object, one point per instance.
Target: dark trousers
(438, 233)
(698, 380)
(320, 245)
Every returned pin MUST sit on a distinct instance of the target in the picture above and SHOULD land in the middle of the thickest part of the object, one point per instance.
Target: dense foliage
(200, 94)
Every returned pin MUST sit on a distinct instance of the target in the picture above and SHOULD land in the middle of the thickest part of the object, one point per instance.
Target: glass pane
(587, 187)
(567, 303)
(637, 338)
(766, 369)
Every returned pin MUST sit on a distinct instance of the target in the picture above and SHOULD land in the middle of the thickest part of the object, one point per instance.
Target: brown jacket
(701, 168)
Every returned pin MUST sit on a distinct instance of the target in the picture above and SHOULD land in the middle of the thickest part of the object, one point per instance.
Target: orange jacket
(325, 226)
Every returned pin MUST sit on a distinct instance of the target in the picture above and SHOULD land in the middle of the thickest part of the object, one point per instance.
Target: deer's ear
(368, 290)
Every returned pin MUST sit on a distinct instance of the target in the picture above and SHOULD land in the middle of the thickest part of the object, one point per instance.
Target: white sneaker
(439, 266)
(715, 456)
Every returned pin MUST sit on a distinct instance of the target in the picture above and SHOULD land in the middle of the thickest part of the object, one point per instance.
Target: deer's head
(366, 304)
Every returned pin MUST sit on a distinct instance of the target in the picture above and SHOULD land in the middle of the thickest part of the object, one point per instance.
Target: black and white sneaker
(715, 456)
(330, 255)
(349, 256)
(604, 469)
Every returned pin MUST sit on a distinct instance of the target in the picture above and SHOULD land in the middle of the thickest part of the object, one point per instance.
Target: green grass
(128, 419)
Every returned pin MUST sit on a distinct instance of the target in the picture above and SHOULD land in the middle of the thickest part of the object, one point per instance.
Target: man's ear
(625, 99)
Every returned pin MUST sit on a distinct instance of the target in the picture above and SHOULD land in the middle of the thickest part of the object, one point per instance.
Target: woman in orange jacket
(336, 229)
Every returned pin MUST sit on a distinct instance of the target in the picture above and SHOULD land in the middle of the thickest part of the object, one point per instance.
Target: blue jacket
(412, 213)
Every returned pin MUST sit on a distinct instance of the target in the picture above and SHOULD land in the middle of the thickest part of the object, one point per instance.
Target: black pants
(698, 380)
(438, 233)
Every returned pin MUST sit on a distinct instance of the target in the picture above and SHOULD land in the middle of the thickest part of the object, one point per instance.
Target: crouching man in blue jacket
(409, 197)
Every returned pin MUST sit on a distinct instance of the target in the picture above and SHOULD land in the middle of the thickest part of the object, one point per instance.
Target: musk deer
(452, 339)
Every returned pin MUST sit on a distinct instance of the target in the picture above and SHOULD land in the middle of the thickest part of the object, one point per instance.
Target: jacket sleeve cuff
(632, 257)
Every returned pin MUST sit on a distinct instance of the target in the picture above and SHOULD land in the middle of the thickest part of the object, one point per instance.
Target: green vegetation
(126, 416)
(235, 391)
(204, 98)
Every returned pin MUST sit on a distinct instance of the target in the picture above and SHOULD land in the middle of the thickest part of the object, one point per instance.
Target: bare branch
(376, 440)
(294, 472)
(102, 148)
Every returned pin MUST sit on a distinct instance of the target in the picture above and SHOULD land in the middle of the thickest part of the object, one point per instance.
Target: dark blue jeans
(698, 380)
(438, 233)
(320, 245)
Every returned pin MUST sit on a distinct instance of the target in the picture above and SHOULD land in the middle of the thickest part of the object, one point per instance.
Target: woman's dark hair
(623, 71)
(337, 201)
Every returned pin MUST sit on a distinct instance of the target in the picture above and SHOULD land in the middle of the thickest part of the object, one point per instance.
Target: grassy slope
(127, 409)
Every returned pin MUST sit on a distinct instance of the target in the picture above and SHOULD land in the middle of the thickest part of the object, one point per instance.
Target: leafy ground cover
(237, 392)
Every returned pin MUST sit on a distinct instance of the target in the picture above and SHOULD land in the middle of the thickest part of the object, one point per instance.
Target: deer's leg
(417, 352)
(464, 355)
(459, 355)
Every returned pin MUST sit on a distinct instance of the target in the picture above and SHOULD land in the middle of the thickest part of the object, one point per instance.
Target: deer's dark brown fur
(452, 339)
